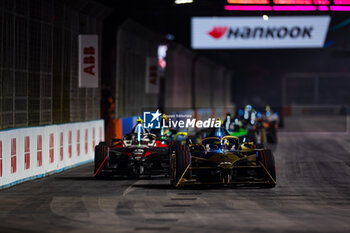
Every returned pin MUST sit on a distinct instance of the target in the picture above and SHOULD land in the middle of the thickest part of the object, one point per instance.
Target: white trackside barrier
(29, 153)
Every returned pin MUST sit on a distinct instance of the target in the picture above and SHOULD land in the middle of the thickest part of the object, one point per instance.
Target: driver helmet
(139, 128)
(219, 132)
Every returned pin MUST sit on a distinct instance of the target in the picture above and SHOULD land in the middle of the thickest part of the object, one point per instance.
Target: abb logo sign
(93, 139)
(13, 155)
(152, 76)
(61, 146)
(78, 142)
(0, 158)
(86, 141)
(39, 148)
(26, 153)
(70, 144)
(88, 61)
(51, 148)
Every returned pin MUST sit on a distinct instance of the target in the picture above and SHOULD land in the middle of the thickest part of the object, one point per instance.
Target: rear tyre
(267, 159)
(101, 151)
(180, 161)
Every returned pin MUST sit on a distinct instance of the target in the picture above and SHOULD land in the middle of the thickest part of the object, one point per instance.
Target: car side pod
(101, 155)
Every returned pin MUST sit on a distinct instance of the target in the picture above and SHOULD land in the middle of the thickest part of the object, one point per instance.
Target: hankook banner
(88, 61)
(257, 33)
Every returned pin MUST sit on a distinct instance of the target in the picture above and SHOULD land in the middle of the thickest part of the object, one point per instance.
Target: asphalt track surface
(312, 195)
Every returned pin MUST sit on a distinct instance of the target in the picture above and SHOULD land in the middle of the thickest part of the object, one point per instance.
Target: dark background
(258, 74)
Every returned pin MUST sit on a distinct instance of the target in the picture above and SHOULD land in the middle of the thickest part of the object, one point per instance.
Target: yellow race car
(222, 159)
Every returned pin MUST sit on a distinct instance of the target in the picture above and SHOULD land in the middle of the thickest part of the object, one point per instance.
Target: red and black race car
(138, 153)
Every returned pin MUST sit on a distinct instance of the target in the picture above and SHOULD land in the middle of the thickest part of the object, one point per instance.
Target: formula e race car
(138, 153)
(222, 159)
(169, 134)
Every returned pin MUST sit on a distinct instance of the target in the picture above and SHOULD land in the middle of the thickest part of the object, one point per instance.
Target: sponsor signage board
(88, 61)
(257, 33)
(152, 76)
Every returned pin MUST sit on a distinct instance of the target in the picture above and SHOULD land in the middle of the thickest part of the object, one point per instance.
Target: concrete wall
(178, 92)
(134, 44)
(34, 152)
(191, 81)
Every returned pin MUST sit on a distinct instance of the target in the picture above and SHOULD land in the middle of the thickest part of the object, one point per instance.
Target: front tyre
(101, 152)
(180, 160)
(267, 159)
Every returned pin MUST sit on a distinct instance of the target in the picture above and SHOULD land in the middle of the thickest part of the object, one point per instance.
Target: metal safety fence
(39, 61)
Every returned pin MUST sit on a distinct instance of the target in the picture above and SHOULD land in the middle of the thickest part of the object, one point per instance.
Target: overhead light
(183, 1)
(340, 8)
(248, 1)
(294, 8)
(265, 17)
(247, 8)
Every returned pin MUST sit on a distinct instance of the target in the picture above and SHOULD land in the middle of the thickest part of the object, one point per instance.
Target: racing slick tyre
(101, 151)
(180, 162)
(267, 159)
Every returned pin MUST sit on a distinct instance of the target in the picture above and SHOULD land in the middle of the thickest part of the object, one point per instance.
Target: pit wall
(34, 152)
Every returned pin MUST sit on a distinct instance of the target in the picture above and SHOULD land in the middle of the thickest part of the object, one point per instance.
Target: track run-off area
(312, 195)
